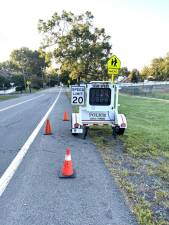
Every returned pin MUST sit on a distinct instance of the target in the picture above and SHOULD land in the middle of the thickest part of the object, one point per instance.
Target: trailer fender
(122, 122)
(76, 126)
(76, 122)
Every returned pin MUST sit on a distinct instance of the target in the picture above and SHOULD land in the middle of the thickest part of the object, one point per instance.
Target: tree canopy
(79, 48)
(158, 69)
(28, 61)
(135, 76)
(25, 64)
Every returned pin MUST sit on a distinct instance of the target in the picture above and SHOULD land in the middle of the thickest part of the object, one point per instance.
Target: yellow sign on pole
(113, 65)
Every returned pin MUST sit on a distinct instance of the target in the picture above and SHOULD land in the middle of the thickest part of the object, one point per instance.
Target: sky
(139, 29)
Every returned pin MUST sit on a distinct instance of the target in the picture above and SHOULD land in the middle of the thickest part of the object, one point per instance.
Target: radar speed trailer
(98, 105)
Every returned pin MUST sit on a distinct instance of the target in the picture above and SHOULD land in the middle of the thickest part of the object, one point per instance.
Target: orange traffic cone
(67, 169)
(48, 129)
(65, 116)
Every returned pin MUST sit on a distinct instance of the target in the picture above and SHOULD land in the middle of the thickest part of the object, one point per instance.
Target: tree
(147, 73)
(28, 61)
(8, 66)
(2, 81)
(17, 79)
(158, 69)
(36, 82)
(135, 76)
(124, 72)
(79, 48)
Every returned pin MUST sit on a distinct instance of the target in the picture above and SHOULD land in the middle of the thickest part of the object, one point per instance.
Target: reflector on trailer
(76, 125)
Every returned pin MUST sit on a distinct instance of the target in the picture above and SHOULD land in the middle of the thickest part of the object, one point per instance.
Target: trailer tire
(85, 131)
(121, 131)
(118, 131)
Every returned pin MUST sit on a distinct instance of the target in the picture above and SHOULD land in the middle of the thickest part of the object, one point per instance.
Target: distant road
(35, 195)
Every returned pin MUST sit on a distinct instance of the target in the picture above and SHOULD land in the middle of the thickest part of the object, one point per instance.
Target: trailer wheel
(85, 131)
(118, 131)
(114, 133)
(121, 131)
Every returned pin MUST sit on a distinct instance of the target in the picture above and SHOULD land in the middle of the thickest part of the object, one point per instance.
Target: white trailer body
(100, 108)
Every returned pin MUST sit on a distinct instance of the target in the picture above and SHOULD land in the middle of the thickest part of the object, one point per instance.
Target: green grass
(145, 138)
(148, 129)
(154, 94)
(162, 171)
(162, 95)
(6, 97)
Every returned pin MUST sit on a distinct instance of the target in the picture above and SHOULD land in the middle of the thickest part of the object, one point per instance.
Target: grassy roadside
(6, 97)
(139, 160)
(148, 120)
(155, 94)
(18, 94)
(162, 95)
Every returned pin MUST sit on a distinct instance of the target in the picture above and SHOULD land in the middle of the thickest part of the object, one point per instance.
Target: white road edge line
(20, 103)
(10, 171)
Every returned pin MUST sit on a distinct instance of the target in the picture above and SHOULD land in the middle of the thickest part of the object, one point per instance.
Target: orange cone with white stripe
(65, 116)
(67, 169)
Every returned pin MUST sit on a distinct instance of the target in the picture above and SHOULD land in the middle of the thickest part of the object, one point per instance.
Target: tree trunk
(78, 80)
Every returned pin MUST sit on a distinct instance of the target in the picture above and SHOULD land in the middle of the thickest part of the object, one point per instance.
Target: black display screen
(100, 96)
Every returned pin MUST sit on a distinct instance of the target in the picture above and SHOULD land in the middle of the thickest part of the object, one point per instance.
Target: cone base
(71, 176)
(48, 134)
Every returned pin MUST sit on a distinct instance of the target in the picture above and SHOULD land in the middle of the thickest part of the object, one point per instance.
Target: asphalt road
(35, 194)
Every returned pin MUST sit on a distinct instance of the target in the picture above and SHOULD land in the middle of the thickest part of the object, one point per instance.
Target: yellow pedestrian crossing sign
(113, 65)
